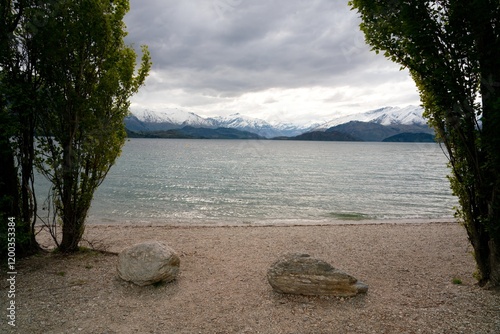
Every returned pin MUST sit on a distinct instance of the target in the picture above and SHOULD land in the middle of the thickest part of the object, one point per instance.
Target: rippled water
(251, 181)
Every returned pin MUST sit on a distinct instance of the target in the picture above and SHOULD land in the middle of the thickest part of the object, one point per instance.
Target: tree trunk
(26, 243)
(494, 263)
(72, 234)
(27, 153)
(487, 40)
(9, 195)
(70, 237)
(479, 240)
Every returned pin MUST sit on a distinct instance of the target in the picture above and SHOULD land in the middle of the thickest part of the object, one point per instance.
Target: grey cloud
(229, 47)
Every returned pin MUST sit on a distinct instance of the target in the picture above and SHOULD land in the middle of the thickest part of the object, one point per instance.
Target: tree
(452, 51)
(17, 125)
(88, 77)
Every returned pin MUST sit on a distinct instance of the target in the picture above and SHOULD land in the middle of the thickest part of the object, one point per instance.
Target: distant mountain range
(144, 121)
(384, 124)
(410, 115)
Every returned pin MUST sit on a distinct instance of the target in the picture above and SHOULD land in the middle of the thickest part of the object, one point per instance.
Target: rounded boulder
(148, 263)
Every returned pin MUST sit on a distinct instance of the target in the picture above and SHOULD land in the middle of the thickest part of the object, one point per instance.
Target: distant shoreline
(273, 223)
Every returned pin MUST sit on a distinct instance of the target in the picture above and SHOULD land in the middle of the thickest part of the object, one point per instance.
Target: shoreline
(410, 269)
(272, 222)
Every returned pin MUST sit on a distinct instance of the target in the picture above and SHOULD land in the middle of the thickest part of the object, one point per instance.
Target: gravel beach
(412, 270)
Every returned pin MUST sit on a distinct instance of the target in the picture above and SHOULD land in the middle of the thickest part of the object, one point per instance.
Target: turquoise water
(252, 181)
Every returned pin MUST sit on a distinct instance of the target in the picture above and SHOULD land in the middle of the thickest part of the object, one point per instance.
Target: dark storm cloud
(229, 47)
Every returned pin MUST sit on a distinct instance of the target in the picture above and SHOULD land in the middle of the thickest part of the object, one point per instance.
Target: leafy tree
(88, 77)
(66, 73)
(17, 88)
(452, 50)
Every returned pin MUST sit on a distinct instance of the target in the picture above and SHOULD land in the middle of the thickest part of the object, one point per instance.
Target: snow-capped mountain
(411, 115)
(168, 119)
(163, 120)
(173, 116)
(245, 123)
(258, 126)
(239, 121)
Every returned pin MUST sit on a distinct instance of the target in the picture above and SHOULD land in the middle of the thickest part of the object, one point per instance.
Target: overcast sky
(294, 60)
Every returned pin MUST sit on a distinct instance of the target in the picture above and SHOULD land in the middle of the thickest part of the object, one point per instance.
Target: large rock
(148, 263)
(302, 275)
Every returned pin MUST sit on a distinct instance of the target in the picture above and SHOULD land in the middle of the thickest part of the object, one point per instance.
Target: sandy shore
(222, 287)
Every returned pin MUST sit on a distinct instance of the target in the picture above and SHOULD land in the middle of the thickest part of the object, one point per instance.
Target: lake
(268, 182)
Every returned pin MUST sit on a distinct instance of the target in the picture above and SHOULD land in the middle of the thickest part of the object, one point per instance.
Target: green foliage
(66, 75)
(16, 129)
(452, 50)
(81, 118)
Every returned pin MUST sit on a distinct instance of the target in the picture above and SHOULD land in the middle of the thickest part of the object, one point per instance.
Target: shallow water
(252, 181)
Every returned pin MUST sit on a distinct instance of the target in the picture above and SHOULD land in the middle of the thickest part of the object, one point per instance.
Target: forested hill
(189, 132)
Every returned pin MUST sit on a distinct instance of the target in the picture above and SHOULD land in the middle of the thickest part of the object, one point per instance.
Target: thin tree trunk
(494, 263)
(70, 238)
(8, 180)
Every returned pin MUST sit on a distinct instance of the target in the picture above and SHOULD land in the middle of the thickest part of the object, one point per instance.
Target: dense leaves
(18, 83)
(452, 50)
(77, 77)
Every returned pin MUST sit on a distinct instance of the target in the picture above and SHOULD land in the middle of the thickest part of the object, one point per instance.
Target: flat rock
(301, 274)
(148, 263)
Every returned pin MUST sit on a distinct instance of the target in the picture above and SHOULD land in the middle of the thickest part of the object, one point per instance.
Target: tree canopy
(68, 77)
(452, 50)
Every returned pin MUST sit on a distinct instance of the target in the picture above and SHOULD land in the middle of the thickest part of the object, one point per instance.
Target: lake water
(252, 181)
